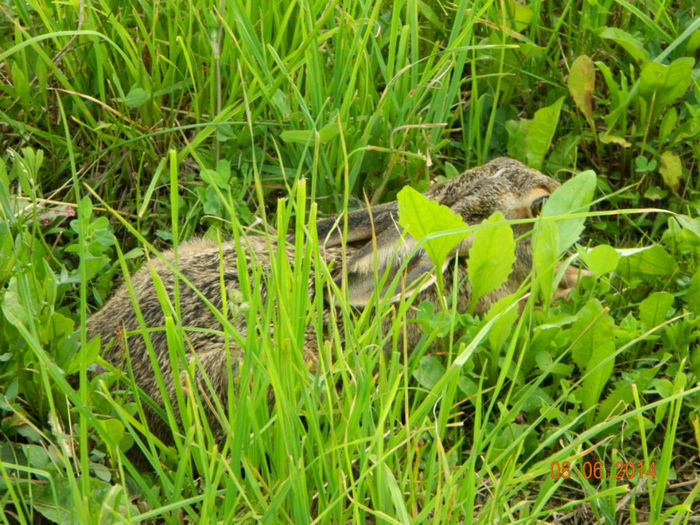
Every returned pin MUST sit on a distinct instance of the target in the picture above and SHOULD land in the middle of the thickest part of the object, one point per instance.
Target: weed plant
(127, 129)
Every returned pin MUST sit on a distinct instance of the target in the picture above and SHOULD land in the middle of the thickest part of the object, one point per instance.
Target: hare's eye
(536, 205)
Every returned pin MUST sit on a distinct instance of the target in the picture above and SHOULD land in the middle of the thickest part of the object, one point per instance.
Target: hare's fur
(502, 184)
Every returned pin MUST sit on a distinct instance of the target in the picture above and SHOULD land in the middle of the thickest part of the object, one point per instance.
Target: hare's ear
(361, 224)
(395, 251)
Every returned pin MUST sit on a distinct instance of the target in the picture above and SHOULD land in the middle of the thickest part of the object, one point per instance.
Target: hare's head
(503, 184)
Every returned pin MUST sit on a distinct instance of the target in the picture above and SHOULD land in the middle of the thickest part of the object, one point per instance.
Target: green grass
(128, 129)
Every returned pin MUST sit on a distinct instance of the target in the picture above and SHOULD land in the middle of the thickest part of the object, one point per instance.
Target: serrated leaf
(491, 257)
(421, 216)
(671, 170)
(581, 83)
(630, 44)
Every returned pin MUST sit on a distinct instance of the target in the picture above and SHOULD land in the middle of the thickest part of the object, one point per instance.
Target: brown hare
(502, 184)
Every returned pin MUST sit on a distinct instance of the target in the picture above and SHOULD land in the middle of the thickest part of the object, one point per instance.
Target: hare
(502, 184)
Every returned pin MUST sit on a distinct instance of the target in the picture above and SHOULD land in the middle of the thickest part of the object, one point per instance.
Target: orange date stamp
(596, 470)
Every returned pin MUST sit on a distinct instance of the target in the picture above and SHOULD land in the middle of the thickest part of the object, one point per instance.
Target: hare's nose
(536, 205)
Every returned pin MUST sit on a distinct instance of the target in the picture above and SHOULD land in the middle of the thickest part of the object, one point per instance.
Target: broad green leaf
(671, 170)
(668, 123)
(220, 177)
(517, 138)
(651, 260)
(84, 211)
(592, 351)
(666, 83)
(491, 257)
(574, 196)
(58, 327)
(114, 428)
(429, 371)
(19, 308)
(501, 329)
(654, 193)
(435, 322)
(540, 133)
(612, 85)
(630, 44)
(653, 309)
(36, 455)
(546, 364)
(101, 472)
(19, 81)
(581, 84)
(593, 327)
(421, 216)
(450, 171)
(136, 97)
(601, 259)
(12, 309)
(329, 132)
(693, 42)
(621, 394)
(520, 15)
(545, 255)
(565, 151)
(224, 132)
(690, 224)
